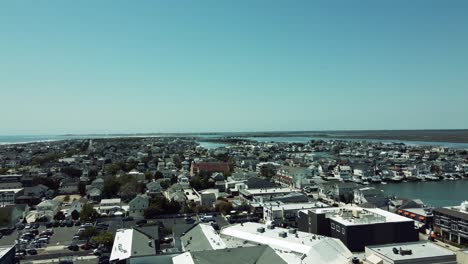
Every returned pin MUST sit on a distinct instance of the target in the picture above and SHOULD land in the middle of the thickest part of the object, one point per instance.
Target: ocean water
(440, 193)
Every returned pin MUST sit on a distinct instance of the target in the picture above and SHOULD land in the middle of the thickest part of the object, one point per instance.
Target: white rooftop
(215, 240)
(16, 190)
(130, 242)
(313, 246)
(111, 201)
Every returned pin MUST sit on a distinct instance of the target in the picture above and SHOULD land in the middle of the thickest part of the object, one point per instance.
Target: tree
(149, 176)
(75, 215)
(223, 207)
(111, 187)
(106, 239)
(59, 216)
(66, 198)
(88, 213)
(88, 233)
(158, 175)
(72, 172)
(268, 171)
(160, 206)
(82, 188)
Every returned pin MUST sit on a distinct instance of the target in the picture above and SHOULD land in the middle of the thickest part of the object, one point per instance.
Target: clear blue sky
(185, 66)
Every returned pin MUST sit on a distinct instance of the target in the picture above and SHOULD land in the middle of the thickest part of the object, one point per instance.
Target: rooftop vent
(292, 231)
(283, 234)
(271, 226)
(405, 252)
(261, 230)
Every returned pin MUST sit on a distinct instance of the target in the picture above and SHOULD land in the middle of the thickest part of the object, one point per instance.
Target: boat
(376, 179)
(396, 179)
(431, 177)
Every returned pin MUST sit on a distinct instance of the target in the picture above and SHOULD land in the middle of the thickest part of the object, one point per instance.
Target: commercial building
(452, 223)
(358, 227)
(281, 213)
(409, 253)
(9, 196)
(292, 245)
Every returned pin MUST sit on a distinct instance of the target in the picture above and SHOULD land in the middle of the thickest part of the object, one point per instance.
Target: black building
(359, 227)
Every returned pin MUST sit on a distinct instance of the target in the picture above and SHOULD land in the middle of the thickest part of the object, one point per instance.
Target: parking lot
(58, 243)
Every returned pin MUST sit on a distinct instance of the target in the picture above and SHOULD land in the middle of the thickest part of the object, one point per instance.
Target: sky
(113, 66)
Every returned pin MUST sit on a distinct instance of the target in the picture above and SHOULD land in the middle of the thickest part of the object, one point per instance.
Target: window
(437, 222)
(333, 226)
(343, 230)
(337, 228)
(454, 227)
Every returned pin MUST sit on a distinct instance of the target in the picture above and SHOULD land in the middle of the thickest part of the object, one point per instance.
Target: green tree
(111, 187)
(88, 233)
(75, 215)
(82, 188)
(106, 239)
(59, 216)
(268, 171)
(88, 213)
(158, 175)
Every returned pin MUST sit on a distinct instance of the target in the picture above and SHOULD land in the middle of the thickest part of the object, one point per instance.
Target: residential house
(47, 208)
(138, 205)
(110, 206)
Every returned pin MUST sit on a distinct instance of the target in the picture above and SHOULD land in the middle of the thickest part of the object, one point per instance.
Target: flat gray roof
(420, 250)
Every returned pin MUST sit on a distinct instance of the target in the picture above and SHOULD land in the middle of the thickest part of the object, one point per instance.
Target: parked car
(69, 223)
(141, 222)
(19, 255)
(86, 246)
(207, 218)
(55, 224)
(32, 251)
(74, 247)
(128, 218)
(189, 220)
(49, 225)
(77, 223)
(166, 240)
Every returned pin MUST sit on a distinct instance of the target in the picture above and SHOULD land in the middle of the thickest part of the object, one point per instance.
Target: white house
(47, 208)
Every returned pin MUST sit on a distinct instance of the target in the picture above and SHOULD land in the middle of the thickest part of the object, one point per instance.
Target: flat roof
(301, 242)
(12, 190)
(454, 211)
(420, 249)
(293, 206)
(115, 200)
(419, 211)
(266, 191)
(367, 216)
